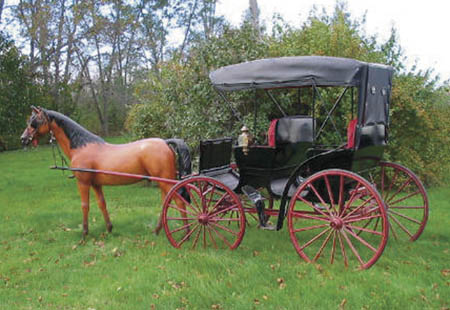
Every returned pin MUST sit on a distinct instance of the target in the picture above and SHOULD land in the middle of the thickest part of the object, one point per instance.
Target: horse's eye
(34, 123)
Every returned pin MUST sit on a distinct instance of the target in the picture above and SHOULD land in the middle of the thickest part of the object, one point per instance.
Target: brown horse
(149, 157)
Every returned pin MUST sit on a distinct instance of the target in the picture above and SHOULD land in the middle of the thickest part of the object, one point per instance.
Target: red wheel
(203, 211)
(405, 199)
(337, 215)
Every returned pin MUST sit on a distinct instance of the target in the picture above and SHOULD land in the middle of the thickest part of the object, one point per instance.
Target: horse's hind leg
(164, 190)
(102, 205)
(84, 194)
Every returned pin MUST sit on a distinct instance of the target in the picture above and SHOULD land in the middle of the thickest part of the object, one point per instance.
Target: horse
(148, 157)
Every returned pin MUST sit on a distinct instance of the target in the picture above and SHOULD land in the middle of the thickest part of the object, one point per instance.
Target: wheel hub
(203, 219)
(337, 223)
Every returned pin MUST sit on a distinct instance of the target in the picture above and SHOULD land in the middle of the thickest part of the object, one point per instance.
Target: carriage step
(258, 201)
(268, 227)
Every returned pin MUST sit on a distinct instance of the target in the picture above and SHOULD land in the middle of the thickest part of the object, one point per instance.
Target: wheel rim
(337, 215)
(405, 198)
(213, 217)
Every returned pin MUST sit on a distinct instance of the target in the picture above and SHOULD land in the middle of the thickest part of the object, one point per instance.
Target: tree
(17, 93)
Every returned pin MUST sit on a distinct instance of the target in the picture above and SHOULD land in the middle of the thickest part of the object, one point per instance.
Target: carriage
(340, 199)
(320, 166)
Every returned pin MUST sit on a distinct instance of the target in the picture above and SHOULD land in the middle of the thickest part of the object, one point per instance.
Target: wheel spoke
(361, 240)
(211, 195)
(225, 228)
(330, 194)
(404, 216)
(182, 210)
(394, 178)
(362, 218)
(314, 239)
(341, 192)
(401, 226)
(219, 201)
(181, 218)
(352, 247)
(309, 228)
(204, 237)
(358, 208)
(220, 211)
(402, 187)
(314, 207)
(405, 197)
(323, 246)
(352, 198)
(333, 249)
(365, 229)
(321, 200)
(194, 206)
(406, 207)
(299, 214)
(341, 243)
(221, 237)
(194, 244)
(382, 180)
(181, 228)
(212, 237)
(188, 235)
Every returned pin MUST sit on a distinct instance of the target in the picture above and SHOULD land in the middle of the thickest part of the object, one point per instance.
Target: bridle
(40, 122)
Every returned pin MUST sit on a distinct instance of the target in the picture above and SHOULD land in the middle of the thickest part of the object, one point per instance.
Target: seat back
(215, 154)
(292, 129)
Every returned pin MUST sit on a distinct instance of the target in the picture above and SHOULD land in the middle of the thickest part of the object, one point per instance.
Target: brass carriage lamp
(245, 140)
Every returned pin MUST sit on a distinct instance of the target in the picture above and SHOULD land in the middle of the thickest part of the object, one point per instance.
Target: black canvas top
(291, 72)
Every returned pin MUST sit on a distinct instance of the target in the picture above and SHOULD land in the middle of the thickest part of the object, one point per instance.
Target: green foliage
(420, 131)
(44, 264)
(17, 93)
(181, 102)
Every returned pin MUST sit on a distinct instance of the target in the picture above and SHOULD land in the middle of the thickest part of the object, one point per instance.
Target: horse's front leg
(102, 205)
(84, 194)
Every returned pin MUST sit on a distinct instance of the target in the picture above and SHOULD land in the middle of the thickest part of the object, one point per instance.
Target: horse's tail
(183, 156)
(184, 161)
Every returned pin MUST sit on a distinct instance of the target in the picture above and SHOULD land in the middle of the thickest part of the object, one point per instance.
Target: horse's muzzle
(25, 139)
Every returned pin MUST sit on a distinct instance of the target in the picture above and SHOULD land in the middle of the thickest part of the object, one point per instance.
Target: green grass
(43, 265)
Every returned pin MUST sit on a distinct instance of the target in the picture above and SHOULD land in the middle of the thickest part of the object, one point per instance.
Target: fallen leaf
(343, 303)
(89, 264)
(445, 272)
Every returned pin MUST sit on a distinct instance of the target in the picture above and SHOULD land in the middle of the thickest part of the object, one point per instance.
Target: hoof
(156, 231)
(109, 227)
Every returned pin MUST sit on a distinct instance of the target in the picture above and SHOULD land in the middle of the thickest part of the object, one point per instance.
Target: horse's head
(37, 125)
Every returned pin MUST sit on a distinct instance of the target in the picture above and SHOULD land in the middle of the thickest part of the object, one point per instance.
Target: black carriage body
(297, 154)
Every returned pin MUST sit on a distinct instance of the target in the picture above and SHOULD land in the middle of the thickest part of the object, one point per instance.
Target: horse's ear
(35, 110)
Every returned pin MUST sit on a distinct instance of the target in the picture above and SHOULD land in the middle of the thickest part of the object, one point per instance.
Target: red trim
(351, 130)
(271, 133)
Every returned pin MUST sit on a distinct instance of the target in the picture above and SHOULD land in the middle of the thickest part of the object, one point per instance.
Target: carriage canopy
(374, 81)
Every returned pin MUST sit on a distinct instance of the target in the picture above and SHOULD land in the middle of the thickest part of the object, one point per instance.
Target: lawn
(45, 265)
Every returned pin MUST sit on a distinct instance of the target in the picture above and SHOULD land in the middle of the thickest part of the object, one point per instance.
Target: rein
(56, 146)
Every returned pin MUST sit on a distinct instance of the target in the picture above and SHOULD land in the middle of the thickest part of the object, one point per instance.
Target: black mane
(77, 135)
